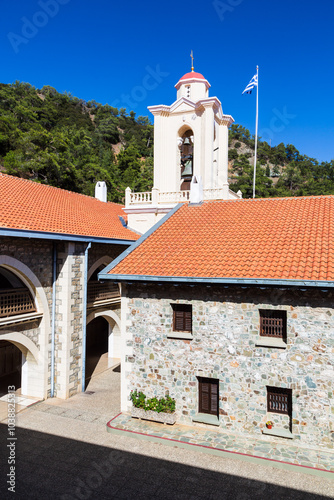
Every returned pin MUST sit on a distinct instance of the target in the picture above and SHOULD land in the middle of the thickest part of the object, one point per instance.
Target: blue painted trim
(223, 281)
(104, 273)
(44, 235)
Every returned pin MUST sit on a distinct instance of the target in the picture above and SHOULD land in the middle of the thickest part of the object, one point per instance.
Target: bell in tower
(186, 159)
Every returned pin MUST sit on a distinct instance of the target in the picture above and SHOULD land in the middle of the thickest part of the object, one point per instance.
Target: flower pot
(164, 418)
(269, 426)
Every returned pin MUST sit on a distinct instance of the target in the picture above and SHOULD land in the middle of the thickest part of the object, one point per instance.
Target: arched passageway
(10, 367)
(23, 307)
(96, 344)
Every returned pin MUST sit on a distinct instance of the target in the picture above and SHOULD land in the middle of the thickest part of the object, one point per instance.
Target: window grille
(182, 317)
(273, 323)
(279, 400)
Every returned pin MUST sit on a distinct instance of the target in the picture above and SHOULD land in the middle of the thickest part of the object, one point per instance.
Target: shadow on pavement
(53, 467)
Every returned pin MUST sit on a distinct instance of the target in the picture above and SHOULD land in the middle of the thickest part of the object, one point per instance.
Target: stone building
(229, 307)
(54, 314)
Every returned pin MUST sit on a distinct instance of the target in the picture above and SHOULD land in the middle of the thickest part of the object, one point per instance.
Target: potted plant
(158, 410)
(269, 424)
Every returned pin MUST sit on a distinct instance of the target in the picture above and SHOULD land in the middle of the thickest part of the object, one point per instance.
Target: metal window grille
(182, 317)
(279, 400)
(273, 323)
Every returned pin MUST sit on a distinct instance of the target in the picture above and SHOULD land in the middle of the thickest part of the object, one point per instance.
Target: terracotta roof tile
(278, 238)
(37, 207)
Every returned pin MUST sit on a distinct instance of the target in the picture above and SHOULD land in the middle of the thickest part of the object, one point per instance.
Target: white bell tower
(190, 139)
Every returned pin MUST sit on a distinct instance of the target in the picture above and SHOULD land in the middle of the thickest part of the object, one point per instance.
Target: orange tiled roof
(37, 207)
(279, 238)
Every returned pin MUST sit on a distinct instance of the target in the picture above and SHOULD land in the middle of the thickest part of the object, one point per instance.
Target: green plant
(139, 400)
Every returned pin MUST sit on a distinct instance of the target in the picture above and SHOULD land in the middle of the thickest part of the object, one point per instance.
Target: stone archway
(105, 261)
(19, 362)
(34, 373)
(96, 347)
(10, 367)
(114, 334)
(107, 372)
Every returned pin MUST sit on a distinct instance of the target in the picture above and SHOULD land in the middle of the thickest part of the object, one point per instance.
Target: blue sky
(131, 54)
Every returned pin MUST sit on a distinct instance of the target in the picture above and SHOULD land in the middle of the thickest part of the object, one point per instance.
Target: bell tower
(190, 139)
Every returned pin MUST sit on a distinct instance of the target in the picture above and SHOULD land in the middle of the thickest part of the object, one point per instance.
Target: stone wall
(70, 302)
(36, 256)
(225, 347)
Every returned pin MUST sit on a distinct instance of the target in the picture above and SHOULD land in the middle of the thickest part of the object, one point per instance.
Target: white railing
(154, 197)
(174, 197)
(139, 198)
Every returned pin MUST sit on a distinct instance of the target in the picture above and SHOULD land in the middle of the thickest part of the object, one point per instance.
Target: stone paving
(64, 452)
(283, 452)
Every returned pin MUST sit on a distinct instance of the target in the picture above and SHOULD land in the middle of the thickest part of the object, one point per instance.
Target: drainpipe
(84, 319)
(53, 329)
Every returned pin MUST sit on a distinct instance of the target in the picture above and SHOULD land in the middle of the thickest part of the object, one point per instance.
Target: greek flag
(251, 85)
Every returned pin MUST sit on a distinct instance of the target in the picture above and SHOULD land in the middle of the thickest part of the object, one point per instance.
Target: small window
(273, 323)
(279, 400)
(182, 317)
(208, 400)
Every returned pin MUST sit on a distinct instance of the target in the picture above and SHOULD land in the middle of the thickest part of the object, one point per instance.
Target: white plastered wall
(169, 127)
(126, 351)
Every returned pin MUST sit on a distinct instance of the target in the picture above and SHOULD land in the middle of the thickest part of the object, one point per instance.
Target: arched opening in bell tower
(186, 146)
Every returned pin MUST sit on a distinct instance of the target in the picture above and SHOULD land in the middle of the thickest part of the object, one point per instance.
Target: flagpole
(256, 127)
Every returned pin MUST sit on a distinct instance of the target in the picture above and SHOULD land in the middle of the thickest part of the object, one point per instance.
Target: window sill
(283, 433)
(180, 335)
(205, 418)
(270, 342)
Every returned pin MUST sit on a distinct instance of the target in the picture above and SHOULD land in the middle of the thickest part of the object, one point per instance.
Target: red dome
(192, 74)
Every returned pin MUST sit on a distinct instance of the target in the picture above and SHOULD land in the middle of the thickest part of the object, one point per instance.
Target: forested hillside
(60, 140)
(281, 170)
(63, 141)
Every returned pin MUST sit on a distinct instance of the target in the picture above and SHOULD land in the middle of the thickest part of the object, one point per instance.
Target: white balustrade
(156, 197)
(140, 198)
(174, 196)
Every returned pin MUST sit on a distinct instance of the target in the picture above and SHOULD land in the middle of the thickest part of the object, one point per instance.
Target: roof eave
(44, 235)
(228, 281)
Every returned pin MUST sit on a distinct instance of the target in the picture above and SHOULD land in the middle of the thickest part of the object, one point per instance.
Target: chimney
(101, 191)
(196, 190)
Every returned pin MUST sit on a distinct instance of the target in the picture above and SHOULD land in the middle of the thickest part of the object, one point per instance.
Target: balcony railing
(156, 197)
(138, 198)
(16, 301)
(101, 292)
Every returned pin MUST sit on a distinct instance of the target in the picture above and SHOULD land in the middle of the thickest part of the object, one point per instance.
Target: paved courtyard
(63, 451)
